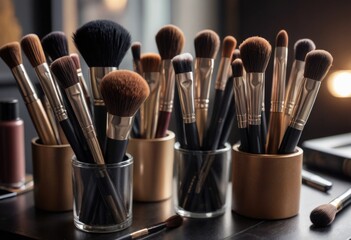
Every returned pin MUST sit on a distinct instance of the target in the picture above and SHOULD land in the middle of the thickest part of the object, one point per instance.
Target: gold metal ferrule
(240, 101)
(279, 77)
(24, 83)
(186, 95)
(304, 103)
(118, 128)
(96, 75)
(167, 86)
(255, 87)
(222, 75)
(342, 200)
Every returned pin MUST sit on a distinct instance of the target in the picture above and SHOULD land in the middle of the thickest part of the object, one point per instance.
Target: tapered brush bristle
(282, 39)
(302, 47)
(123, 92)
(255, 53)
(55, 45)
(136, 50)
(102, 43)
(65, 71)
(236, 54)
(183, 63)
(32, 48)
(151, 62)
(11, 54)
(237, 68)
(318, 63)
(174, 221)
(75, 59)
(169, 41)
(229, 44)
(323, 215)
(206, 44)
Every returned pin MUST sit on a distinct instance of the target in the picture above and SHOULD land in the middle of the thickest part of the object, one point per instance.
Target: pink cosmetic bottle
(12, 159)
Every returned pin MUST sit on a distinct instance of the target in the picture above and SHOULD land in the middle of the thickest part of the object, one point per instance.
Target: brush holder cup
(201, 182)
(153, 167)
(103, 195)
(52, 175)
(266, 186)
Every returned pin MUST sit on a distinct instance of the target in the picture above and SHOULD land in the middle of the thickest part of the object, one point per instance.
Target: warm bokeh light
(116, 5)
(339, 84)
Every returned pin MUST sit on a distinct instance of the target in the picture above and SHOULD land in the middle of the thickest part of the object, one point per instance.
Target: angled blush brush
(170, 42)
(11, 54)
(318, 63)
(275, 127)
(255, 53)
(102, 44)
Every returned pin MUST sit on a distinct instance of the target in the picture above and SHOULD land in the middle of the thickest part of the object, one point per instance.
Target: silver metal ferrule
(167, 86)
(24, 83)
(118, 128)
(203, 75)
(304, 103)
(96, 75)
(186, 96)
(342, 201)
(222, 74)
(279, 77)
(294, 84)
(51, 92)
(240, 101)
(77, 100)
(255, 87)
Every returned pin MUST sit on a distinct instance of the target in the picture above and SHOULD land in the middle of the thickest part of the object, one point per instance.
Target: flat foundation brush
(318, 63)
(11, 54)
(255, 53)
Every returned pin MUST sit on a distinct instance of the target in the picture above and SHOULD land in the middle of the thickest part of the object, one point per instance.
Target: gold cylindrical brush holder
(266, 186)
(52, 175)
(153, 167)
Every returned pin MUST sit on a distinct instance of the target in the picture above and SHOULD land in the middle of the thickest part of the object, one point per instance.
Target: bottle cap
(9, 109)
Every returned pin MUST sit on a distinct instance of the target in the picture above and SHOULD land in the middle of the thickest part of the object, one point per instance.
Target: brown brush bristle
(65, 71)
(236, 54)
(237, 68)
(123, 92)
(206, 44)
(318, 63)
(229, 44)
(32, 48)
(282, 39)
(136, 50)
(11, 54)
(75, 59)
(255, 53)
(169, 41)
(151, 62)
(323, 215)
(174, 221)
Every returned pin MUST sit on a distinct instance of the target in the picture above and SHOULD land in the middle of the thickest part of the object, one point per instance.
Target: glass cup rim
(207, 152)
(125, 163)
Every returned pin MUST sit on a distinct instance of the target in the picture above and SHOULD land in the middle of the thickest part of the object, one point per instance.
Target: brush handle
(275, 133)
(290, 140)
(100, 121)
(179, 125)
(228, 124)
(136, 125)
(255, 145)
(163, 123)
(315, 181)
(244, 140)
(343, 200)
(215, 111)
(263, 128)
(192, 136)
(115, 150)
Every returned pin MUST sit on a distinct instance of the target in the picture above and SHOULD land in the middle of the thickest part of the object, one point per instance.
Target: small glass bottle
(12, 156)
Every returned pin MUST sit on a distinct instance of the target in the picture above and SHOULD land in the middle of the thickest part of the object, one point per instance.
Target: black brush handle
(125, 237)
(179, 125)
(115, 150)
(192, 136)
(100, 121)
(164, 119)
(135, 133)
(290, 140)
(255, 145)
(228, 125)
(263, 129)
(244, 141)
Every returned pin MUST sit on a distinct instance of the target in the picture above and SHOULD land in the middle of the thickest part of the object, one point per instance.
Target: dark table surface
(19, 219)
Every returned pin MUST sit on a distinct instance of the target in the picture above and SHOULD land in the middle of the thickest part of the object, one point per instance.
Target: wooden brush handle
(163, 123)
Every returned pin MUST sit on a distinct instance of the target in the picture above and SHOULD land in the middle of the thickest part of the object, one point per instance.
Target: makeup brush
(255, 53)
(11, 54)
(151, 63)
(136, 53)
(123, 92)
(275, 128)
(318, 63)
(301, 48)
(170, 223)
(324, 215)
(102, 44)
(55, 45)
(206, 45)
(170, 42)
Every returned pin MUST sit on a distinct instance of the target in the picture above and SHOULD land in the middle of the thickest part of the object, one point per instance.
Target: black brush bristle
(318, 63)
(206, 44)
(136, 50)
(323, 215)
(123, 92)
(183, 63)
(255, 53)
(282, 39)
(102, 43)
(302, 47)
(151, 62)
(55, 45)
(33, 49)
(65, 71)
(174, 221)
(236, 54)
(237, 68)
(169, 41)
(11, 54)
